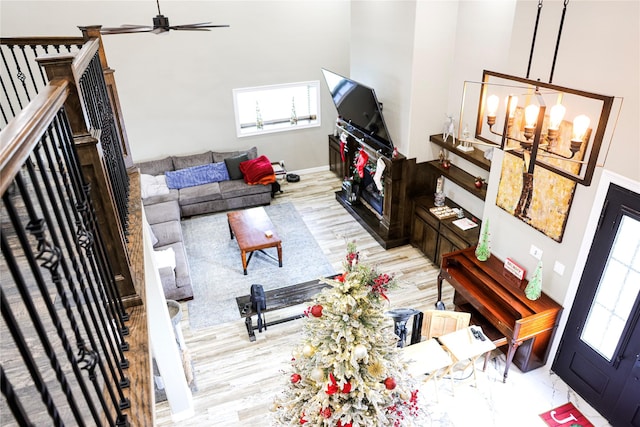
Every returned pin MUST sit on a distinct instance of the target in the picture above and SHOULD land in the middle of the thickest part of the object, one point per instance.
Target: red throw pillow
(256, 169)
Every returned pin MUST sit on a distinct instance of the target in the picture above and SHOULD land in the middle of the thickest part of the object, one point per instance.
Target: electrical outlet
(535, 252)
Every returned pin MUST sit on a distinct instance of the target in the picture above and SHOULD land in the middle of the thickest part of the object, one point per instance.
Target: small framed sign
(514, 269)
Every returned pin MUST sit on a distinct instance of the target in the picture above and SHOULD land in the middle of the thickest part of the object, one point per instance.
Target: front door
(599, 352)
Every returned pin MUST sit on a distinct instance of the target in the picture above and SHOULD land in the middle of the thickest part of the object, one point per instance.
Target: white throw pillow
(165, 258)
(153, 185)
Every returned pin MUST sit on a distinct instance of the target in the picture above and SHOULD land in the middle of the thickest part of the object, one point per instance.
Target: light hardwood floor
(237, 380)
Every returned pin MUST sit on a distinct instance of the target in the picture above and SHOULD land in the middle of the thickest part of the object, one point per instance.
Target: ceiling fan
(160, 25)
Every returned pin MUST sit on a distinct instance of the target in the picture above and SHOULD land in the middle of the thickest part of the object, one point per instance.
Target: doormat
(565, 415)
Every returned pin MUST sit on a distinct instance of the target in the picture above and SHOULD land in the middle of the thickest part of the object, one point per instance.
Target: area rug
(216, 266)
(565, 415)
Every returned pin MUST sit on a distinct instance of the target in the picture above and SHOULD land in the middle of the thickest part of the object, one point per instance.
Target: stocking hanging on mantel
(343, 145)
(377, 177)
(361, 162)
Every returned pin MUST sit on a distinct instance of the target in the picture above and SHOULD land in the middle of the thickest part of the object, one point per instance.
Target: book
(465, 223)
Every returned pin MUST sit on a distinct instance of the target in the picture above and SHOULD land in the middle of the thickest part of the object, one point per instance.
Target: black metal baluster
(13, 84)
(88, 356)
(19, 340)
(65, 189)
(33, 311)
(40, 69)
(20, 75)
(28, 66)
(87, 211)
(13, 401)
(93, 247)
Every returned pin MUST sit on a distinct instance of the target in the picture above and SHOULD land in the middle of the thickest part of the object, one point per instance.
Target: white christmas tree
(347, 371)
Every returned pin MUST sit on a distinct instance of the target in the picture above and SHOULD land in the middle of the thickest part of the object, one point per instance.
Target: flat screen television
(358, 106)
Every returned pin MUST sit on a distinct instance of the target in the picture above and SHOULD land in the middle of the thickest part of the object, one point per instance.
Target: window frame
(279, 124)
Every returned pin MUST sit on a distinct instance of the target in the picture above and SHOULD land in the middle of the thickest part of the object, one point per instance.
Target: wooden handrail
(84, 57)
(22, 134)
(47, 41)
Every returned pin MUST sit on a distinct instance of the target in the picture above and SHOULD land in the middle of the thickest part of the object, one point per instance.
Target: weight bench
(278, 299)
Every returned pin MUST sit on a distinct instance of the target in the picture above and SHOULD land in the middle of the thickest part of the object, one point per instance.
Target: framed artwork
(550, 198)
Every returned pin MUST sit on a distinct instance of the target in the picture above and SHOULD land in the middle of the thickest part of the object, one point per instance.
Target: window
(617, 291)
(276, 108)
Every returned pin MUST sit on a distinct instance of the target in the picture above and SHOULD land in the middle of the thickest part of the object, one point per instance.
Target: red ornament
(479, 182)
(295, 378)
(326, 412)
(316, 310)
(346, 388)
(390, 383)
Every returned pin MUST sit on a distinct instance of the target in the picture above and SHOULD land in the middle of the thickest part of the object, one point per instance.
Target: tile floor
(518, 402)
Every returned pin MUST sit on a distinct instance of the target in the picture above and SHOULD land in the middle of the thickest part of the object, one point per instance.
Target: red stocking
(363, 157)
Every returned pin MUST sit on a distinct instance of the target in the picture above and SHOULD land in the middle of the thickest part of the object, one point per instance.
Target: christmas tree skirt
(216, 267)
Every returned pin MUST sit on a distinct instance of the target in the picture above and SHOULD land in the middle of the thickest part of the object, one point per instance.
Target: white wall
(381, 58)
(176, 88)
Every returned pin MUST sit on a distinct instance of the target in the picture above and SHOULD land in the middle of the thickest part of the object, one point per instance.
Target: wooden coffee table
(253, 231)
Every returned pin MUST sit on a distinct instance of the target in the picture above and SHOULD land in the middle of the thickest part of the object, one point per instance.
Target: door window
(616, 292)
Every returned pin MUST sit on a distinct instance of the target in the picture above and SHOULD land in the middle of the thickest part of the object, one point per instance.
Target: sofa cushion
(184, 162)
(233, 165)
(256, 169)
(193, 176)
(181, 276)
(162, 212)
(156, 167)
(200, 193)
(154, 239)
(238, 188)
(219, 156)
(168, 233)
(154, 200)
(165, 258)
(153, 185)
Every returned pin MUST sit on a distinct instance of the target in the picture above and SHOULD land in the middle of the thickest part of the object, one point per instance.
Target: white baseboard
(310, 170)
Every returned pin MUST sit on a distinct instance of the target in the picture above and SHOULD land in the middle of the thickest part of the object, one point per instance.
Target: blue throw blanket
(197, 175)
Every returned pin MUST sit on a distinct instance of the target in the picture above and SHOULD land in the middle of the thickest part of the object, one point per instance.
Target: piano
(522, 328)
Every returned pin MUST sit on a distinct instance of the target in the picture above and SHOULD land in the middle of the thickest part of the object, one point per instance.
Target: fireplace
(369, 191)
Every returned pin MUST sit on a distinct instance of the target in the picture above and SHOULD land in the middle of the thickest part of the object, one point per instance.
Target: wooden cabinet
(435, 237)
(336, 165)
(424, 233)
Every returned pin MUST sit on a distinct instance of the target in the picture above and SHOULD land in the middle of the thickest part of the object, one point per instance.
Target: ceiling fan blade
(202, 25)
(126, 29)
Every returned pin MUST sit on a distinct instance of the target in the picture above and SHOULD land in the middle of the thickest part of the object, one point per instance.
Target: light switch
(558, 267)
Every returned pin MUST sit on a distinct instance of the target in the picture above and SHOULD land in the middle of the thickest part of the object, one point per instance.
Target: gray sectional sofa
(164, 208)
